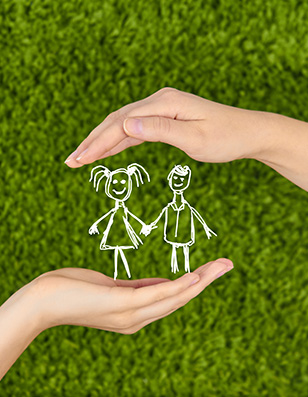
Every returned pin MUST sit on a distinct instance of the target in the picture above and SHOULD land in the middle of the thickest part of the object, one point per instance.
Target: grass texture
(64, 66)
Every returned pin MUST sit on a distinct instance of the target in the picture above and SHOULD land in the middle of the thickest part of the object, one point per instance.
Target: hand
(205, 130)
(85, 297)
(88, 298)
(93, 229)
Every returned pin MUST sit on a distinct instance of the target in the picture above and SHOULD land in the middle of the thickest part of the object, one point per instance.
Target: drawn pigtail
(103, 170)
(135, 169)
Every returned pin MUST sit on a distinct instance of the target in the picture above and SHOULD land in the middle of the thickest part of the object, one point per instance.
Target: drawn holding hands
(146, 229)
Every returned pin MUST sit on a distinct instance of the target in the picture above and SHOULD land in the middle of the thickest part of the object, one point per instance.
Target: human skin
(205, 130)
(76, 296)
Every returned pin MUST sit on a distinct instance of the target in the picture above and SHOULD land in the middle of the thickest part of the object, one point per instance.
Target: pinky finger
(138, 327)
(120, 147)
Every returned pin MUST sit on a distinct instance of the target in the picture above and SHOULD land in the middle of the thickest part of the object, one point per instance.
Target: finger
(148, 295)
(112, 140)
(160, 103)
(228, 262)
(112, 136)
(143, 282)
(122, 113)
(168, 305)
(117, 116)
(179, 133)
(126, 143)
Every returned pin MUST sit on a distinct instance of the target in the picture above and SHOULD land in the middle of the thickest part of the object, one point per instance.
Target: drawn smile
(119, 192)
(178, 184)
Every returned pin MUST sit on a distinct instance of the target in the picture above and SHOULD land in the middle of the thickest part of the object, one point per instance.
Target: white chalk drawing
(118, 187)
(179, 229)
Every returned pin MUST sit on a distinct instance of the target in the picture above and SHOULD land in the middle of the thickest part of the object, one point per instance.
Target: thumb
(160, 129)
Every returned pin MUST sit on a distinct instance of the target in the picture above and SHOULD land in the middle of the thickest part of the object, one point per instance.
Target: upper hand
(205, 130)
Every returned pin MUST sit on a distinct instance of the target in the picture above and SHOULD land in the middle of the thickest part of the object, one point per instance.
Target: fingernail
(132, 126)
(81, 155)
(71, 156)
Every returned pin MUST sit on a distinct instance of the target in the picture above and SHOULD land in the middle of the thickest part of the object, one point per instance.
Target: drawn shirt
(119, 232)
(179, 224)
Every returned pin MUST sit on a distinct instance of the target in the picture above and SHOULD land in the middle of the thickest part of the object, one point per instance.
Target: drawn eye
(114, 181)
(182, 179)
(175, 177)
(123, 181)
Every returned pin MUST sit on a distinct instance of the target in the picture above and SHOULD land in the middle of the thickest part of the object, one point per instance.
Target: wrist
(39, 293)
(33, 306)
(19, 325)
(266, 140)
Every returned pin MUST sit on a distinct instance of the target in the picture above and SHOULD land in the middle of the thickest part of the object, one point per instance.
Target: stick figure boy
(179, 229)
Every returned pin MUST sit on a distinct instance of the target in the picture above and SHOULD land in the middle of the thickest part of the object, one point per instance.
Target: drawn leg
(174, 262)
(186, 258)
(116, 251)
(125, 262)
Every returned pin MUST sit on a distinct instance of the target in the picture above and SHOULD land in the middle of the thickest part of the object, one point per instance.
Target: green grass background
(64, 66)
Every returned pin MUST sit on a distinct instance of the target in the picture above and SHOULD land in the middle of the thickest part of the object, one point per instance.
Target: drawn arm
(208, 231)
(136, 217)
(146, 229)
(153, 224)
(93, 229)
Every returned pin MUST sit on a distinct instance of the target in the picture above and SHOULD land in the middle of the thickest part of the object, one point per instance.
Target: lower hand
(75, 296)
(85, 297)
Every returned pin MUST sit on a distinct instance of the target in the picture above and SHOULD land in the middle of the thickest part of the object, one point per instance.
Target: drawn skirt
(119, 232)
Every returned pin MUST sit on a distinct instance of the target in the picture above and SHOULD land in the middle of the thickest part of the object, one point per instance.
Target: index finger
(208, 273)
(110, 133)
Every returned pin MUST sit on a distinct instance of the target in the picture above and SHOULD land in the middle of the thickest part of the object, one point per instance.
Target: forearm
(285, 147)
(19, 325)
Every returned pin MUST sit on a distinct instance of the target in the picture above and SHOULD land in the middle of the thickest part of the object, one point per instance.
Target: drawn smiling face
(119, 186)
(178, 182)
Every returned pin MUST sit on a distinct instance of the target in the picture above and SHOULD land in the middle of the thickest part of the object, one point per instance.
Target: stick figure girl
(118, 187)
(179, 228)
